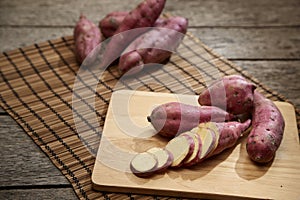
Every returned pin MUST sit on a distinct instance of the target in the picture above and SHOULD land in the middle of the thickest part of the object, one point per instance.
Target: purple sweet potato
(229, 133)
(87, 36)
(174, 118)
(111, 22)
(168, 35)
(233, 93)
(144, 15)
(267, 130)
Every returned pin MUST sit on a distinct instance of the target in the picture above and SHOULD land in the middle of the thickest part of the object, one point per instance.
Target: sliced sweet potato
(143, 164)
(164, 158)
(193, 159)
(209, 140)
(213, 127)
(180, 147)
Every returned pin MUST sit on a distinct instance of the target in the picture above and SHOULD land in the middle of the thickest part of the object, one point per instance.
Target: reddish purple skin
(267, 130)
(111, 22)
(238, 93)
(144, 15)
(229, 132)
(87, 36)
(196, 159)
(174, 118)
(158, 38)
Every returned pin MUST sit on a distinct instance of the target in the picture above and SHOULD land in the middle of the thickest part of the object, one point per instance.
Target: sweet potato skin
(267, 130)
(229, 132)
(156, 40)
(174, 118)
(144, 15)
(87, 36)
(111, 22)
(236, 90)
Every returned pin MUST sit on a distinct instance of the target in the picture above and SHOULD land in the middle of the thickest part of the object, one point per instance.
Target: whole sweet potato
(232, 93)
(87, 36)
(144, 15)
(173, 118)
(111, 22)
(156, 40)
(267, 130)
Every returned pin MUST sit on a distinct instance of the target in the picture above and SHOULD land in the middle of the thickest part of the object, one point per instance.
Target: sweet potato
(164, 159)
(143, 164)
(229, 132)
(209, 141)
(144, 15)
(232, 93)
(173, 118)
(197, 149)
(267, 130)
(167, 34)
(181, 147)
(111, 22)
(86, 36)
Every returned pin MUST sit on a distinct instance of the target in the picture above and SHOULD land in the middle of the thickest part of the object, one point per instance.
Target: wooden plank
(252, 43)
(12, 38)
(281, 76)
(124, 134)
(22, 162)
(50, 193)
(233, 43)
(200, 13)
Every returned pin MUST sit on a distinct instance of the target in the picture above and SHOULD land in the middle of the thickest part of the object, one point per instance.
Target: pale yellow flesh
(179, 147)
(207, 140)
(196, 148)
(212, 126)
(161, 155)
(144, 162)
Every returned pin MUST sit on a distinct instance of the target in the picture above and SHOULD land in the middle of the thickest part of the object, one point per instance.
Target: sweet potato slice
(181, 147)
(197, 149)
(213, 127)
(164, 158)
(143, 164)
(208, 138)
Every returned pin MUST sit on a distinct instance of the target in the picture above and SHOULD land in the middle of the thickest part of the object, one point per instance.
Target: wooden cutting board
(230, 175)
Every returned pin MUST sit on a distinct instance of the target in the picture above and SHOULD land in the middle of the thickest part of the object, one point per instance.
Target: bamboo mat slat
(36, 85)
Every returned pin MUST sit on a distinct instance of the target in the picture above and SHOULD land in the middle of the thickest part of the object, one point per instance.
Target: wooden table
(262, 37)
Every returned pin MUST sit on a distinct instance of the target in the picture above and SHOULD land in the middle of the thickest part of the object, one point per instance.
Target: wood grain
(45, 194)
(124, 134)
(200, 13)
(17, 150)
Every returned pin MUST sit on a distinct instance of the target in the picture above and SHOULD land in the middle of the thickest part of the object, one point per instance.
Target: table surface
(262, 37)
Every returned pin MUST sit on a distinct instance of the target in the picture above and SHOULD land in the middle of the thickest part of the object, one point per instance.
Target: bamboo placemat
(36, 90)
